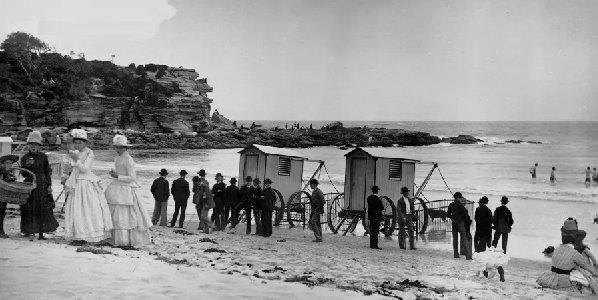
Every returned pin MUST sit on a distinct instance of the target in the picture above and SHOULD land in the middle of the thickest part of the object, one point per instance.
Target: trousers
(160, 213)
(182, 206)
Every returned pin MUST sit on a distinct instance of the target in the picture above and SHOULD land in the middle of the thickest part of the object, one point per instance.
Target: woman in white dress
(130, 219)
(87, 216)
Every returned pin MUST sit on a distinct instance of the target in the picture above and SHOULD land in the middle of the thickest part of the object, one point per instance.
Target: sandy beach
(184, 264)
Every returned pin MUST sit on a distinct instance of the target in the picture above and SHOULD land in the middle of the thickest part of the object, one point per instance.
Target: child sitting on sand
(490, 261)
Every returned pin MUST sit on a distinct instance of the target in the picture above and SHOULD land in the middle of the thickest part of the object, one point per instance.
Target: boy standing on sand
(161, 192)
(5, 174)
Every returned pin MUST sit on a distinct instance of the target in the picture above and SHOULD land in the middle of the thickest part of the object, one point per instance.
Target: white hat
(34, 137)
(121, 141)
(79, 134)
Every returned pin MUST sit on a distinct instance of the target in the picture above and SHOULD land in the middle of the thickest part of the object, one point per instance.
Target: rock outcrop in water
(462, 139)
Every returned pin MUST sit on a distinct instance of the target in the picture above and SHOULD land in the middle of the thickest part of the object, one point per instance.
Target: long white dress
(130, 219)
(87, 216)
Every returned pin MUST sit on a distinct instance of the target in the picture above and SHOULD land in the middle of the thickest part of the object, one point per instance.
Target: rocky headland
(156, 106)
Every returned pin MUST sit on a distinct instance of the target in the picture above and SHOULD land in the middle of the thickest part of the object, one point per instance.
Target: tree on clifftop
(26, 50)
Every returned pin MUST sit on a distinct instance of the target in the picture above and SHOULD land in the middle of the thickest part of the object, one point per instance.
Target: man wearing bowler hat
(483, 226)
(267, 208)
(375, 209)
(503, 221)
(317, 209)
(459, 216)
(161, 191)
(218, 195)
(232, 196)
(246, 204)
(180, 192)
(258, 199)
(405, 210)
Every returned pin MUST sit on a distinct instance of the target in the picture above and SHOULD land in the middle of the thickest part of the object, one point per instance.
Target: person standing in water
(552, 176)
(532, 170)
(588, 176)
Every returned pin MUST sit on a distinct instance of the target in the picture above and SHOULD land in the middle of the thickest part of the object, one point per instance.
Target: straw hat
(34, 137)
(79, 134)
(120, 141)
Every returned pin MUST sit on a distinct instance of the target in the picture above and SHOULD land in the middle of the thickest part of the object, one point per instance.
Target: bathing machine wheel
(389, 218)
(279, 208)
(298, 208)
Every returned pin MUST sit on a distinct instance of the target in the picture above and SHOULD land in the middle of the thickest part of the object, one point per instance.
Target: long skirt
(37, 214)
(87, 216)
(131, 222)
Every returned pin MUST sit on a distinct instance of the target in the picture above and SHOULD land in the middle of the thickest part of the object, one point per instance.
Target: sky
(378, 60)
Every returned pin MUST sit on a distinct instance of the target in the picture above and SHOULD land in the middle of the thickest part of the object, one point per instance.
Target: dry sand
(286, 265)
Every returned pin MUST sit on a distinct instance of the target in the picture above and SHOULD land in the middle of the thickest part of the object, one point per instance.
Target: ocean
(491, 168)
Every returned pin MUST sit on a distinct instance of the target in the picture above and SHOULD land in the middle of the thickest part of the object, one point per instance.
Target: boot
(501, 272)
(412, 244)
(402, 242)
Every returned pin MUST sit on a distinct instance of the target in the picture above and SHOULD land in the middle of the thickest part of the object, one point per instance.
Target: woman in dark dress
(37, 214)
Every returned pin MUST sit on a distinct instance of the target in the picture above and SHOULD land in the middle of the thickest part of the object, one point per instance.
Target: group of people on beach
(591, 175)
(114, 216)
(226, 203)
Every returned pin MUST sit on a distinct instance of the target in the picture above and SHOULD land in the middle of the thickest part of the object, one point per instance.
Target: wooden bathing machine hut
(283, 166)
(366, 167)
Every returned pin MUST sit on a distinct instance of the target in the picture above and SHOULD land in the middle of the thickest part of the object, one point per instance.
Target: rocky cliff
(159, 100)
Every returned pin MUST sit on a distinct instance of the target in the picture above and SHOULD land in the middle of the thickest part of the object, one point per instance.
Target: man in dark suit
(232, 196)
(459, 217)
(258, 199)
(246, 203)
(405, 210)
(180, 192)
(375, 209)
(483, 226)
(161, 192)
(218, 196)
(267, 208)
(503, 220)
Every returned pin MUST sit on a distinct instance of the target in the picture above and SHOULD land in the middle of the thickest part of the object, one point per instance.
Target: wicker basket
(16, 192)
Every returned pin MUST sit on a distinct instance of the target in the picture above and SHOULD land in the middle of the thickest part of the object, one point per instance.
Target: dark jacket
(375, 208)
(458, 213)
(483, 219)
(257, 196)
(503, 219)
(246, 193)
(218, 190)
(180, 190)
(232, 195)
(269, 199)
(160, 189)
(317, 201)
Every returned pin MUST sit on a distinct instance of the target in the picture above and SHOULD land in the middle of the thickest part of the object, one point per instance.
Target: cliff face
(186, 108)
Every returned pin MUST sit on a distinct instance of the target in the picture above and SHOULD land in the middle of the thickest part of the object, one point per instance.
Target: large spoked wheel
(422, 216)
(298, 207)
(389, 218)
(334, 216)
(279, 208)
